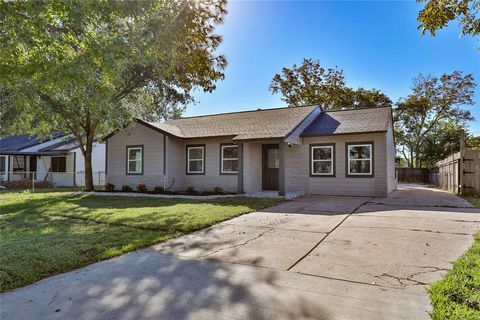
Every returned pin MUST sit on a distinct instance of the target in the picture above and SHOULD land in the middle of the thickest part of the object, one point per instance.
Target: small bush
(126, 188)
(110, 187)
(191, 191)
(217, 190)
(142, 187)
(159, 189)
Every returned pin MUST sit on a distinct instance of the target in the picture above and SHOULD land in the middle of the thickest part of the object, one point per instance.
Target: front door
(270, 165)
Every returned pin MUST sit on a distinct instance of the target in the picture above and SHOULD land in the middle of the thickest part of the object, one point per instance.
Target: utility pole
(460, 162)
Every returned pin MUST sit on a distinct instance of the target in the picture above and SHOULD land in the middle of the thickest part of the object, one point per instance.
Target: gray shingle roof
(258, 124)
(349, 121)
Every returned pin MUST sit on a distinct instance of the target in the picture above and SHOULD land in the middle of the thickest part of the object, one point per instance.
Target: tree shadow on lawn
(149, 214)
(42, 237)
(36, 246)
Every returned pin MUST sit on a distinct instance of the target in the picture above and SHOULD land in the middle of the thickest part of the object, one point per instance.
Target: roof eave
(32, 153)
(146, 124)
(342, 133)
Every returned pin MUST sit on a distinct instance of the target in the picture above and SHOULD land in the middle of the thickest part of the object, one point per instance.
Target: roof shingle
(349, 121)
(258, 124)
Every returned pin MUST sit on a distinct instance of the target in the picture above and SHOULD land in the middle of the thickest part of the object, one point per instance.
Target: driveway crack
(261, 234)
(327, 234)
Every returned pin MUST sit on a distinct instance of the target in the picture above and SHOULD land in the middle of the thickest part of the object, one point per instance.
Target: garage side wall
(297, 170)
(391, 154)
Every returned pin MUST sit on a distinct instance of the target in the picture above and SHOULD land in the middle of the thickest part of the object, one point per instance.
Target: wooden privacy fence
(460, 173)
(421, 175)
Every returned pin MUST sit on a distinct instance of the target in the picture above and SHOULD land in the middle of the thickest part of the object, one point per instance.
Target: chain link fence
(36, 180)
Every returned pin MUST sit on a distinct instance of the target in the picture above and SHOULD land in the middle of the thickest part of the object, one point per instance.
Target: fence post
(33, 182)
(460, 163)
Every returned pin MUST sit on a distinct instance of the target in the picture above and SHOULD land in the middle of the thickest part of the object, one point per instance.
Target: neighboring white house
(58, 160)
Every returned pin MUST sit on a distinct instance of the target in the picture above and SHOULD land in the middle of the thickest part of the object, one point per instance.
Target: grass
(457, 295)
(474, 200)
(43, 234)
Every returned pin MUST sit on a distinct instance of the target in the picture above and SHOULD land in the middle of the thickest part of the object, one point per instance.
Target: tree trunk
(88, 165)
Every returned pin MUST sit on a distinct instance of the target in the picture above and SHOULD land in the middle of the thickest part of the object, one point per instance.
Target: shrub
(142, 187)
(110, 187)
(126, 188)
(217, 190)
(191, 191)
(159, 189)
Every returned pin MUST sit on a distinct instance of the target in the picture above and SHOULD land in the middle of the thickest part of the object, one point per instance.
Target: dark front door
(270, 164)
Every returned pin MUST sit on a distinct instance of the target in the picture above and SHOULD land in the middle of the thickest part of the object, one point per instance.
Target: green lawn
(457, 296)
(474, 200)
(42, 234)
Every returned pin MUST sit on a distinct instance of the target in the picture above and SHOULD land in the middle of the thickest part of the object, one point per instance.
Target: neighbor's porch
(59, 169)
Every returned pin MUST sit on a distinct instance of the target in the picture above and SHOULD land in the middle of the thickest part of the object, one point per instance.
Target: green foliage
(90, 67)
(473, 143)
(126, 188)
(44, 234)
(110, 187)
(191, 191)
(457, 296)
(311, 84)
(432, 117)
(438, 13)
(217, 190)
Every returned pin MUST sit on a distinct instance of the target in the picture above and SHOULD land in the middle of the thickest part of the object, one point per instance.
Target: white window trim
(364, 159)
(222, 158)
(201, 159)
(134, 160)
(322, 160)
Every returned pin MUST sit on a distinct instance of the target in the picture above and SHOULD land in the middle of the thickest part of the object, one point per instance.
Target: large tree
(310, 84)
(89, 67)
(438, 13)
(434, 113)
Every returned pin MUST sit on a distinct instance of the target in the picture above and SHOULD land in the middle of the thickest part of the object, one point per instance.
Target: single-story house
(302, 150)
(57, 160)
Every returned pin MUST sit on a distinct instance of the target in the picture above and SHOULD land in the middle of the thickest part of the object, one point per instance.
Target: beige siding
(153, 172)
(252, 175)
(175, 164)
(391, 154)
(212, 177)
(297, 175)
(152, 142)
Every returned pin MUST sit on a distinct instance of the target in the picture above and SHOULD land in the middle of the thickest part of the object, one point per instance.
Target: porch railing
(32, 180)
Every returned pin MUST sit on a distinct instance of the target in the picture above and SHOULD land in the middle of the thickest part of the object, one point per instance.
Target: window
(273, 158)
(134, 159)
(322, 160)
(19, 164)
(360, 160)
(3, 165)
(229, 159)
(196, 159)
(59, 164)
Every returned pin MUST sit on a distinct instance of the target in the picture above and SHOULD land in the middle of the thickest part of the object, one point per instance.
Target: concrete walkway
(311, 258)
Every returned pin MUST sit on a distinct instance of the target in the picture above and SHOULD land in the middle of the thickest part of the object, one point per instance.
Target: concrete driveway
(311, 258)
